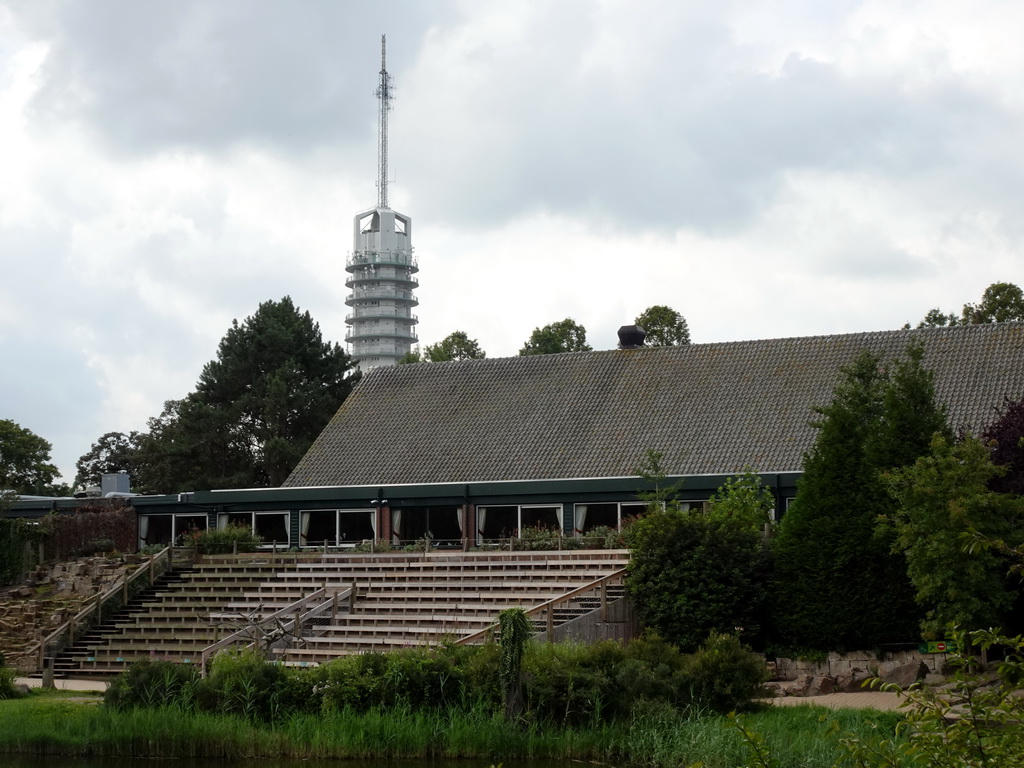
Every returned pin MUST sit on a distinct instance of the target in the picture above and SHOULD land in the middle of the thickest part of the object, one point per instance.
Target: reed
(659, 738)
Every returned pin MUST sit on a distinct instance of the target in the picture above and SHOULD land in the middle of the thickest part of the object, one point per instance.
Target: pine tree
(837, 584)
(255, 410)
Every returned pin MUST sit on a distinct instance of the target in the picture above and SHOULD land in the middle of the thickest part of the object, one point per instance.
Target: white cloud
(769, 170)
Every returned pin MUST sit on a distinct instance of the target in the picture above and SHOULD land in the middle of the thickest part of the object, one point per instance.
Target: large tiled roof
(710, 408)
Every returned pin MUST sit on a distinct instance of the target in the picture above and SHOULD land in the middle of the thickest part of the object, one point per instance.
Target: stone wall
(847, 671)
(50, 596)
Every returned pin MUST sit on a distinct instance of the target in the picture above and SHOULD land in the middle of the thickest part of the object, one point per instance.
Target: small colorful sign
(937, 646)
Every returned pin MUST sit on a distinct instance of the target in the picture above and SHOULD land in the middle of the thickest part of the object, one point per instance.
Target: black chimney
(631, 336)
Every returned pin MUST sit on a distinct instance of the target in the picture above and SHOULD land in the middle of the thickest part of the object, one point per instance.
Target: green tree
(910, 414)
(170, 452)
(745, 500)
(943, 497)
(112, 452)
(256, 409)
(410, 357)
(936, 318)
(665, 327)
(837, 584)
(25, 465)
(564, 336)
(1000, 303)
(1005, 438)
(455, 346)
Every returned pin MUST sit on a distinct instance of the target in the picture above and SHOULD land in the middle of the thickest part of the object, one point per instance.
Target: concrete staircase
(443, 597)
(172, 623)
(403, 599)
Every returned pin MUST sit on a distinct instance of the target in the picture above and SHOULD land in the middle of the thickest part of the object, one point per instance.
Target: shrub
(480, 673)
(244, 683)
(689, 576)
(724, 675)
(380, 545)
(222, 541)
(152, 684)
(652, 671)
(352, 681)
(603, 537)
(563, 685)
(539, 538)
(7, 677)
(416, 677)
(420, 678)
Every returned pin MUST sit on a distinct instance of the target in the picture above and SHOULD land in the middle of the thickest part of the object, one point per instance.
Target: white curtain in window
(481, 518)
(304, 529)
(460, 515)
(373, 522)
(143, 529)
(396, 525)
(559, 513)
(581, 517)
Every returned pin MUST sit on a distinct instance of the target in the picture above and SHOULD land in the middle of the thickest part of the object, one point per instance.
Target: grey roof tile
(710, 408)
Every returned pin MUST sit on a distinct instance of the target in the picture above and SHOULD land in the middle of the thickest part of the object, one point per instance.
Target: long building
(476, 450)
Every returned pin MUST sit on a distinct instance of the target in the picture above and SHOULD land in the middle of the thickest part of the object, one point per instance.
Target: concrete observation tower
(381, 268)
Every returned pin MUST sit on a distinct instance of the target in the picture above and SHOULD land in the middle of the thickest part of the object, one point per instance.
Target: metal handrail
(550, 605)
(121, 587)
(389, 258)
(360, 294)
(292, 609)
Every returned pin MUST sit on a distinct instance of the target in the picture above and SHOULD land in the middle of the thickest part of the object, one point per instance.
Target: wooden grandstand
(309, 608)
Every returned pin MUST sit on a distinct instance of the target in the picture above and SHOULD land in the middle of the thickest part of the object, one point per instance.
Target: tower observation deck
(381, 267)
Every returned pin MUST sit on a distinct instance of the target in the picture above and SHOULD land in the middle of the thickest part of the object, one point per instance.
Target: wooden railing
(546, 611)
(117, 596)
(288, 627)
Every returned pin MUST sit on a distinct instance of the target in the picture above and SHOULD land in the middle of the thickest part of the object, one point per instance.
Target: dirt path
(886, 702)
(65, 685)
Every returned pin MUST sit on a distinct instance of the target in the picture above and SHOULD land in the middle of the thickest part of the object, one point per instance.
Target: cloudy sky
(768, 169)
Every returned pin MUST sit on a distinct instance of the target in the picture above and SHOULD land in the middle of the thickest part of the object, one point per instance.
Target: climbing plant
(16, 550)
(515, 634)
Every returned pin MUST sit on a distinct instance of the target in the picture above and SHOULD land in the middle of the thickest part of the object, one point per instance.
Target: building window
(442, 524)
(336, 527)
(611, 514)
(164, 530)
(507, 520)
(272, 527)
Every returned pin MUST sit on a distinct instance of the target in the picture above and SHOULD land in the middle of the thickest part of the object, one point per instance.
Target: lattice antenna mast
(385, 97)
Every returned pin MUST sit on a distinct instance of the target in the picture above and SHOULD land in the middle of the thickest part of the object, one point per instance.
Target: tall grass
(660, 738)
(799, 737)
